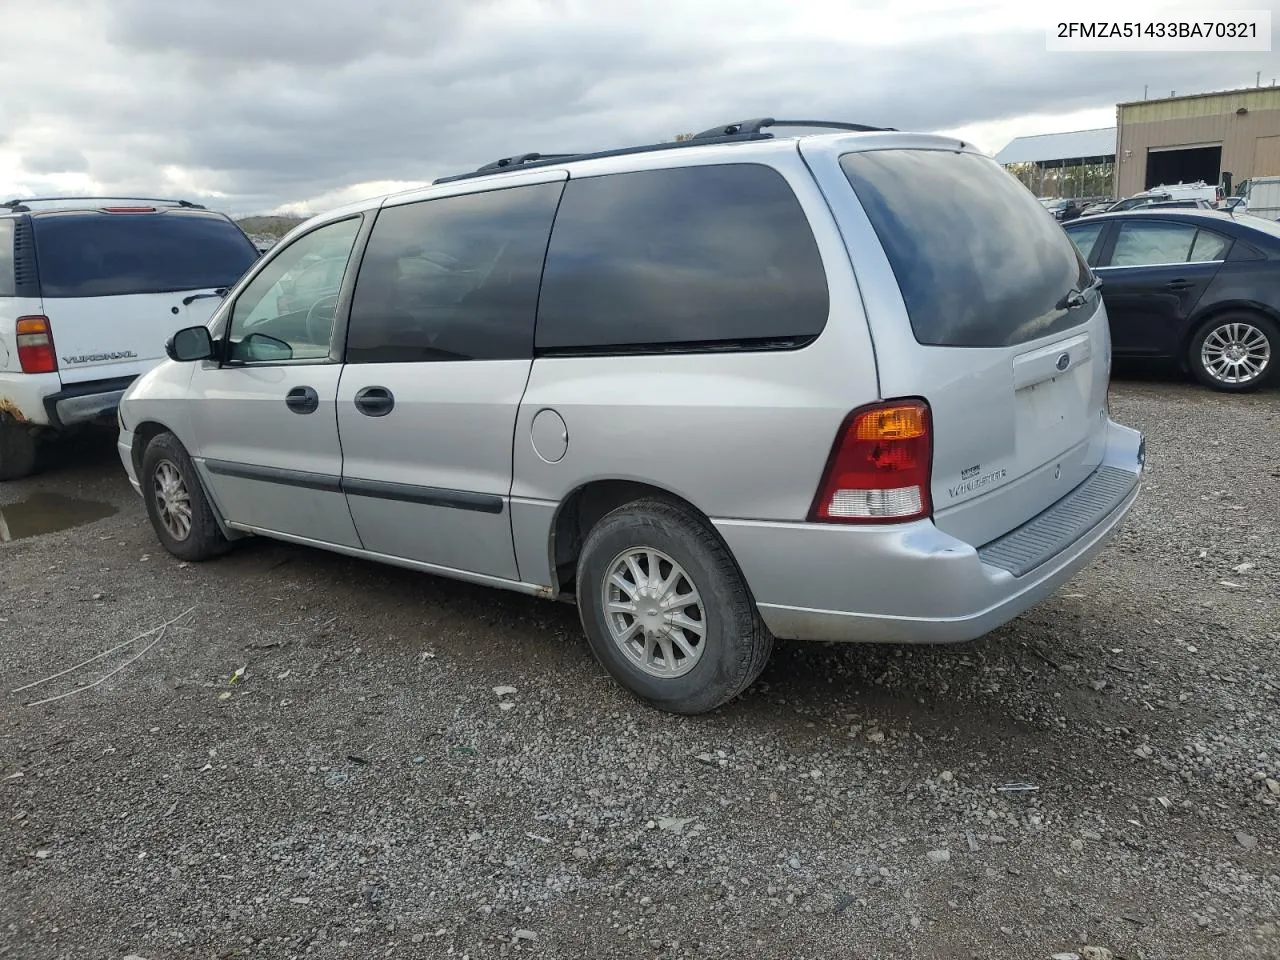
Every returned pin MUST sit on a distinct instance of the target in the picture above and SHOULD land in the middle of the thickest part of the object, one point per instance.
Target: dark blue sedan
(1198, 287)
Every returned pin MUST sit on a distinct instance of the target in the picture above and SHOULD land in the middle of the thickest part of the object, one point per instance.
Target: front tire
(1235, 352)
(181, 515)
(666, 610)
(17, 449)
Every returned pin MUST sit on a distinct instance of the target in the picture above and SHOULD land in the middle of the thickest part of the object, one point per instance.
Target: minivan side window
(684, 258)
(286, 312)
(454, 278)
(7, 286)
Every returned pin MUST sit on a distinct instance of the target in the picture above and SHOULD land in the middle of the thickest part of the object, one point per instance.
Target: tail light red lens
(879, 467)
(35, 345)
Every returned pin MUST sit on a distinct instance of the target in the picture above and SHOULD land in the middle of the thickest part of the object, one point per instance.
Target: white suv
(90, 288)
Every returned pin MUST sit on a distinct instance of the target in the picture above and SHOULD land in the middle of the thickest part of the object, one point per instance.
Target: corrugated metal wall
(1250, 142)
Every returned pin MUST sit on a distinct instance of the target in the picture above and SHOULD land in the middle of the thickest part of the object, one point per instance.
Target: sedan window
(1085, 237)
(1149, 243)
(1209, 246)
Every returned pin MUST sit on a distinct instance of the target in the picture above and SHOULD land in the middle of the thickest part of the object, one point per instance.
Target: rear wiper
(1076, 298)
(219, 293)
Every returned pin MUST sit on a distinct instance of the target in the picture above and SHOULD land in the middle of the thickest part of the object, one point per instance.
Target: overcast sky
(262, 104)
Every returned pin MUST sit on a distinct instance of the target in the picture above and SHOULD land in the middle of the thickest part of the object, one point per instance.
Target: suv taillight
(879, 467)
(35, 345)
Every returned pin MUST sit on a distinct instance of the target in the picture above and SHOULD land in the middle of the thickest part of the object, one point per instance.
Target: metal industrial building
(1076, 164)
(1154, 142)
(1200, 137)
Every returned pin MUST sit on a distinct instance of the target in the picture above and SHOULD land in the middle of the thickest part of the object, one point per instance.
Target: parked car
(649, 380)
(1198, 287)
(1179, 205)
(90, 289)
(1261, 197)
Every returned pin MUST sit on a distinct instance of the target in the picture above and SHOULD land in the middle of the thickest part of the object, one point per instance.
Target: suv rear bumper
(912, 583)
(86, 402)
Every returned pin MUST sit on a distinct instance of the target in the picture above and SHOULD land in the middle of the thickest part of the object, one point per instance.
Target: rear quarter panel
(739, 435)
(1249, 285)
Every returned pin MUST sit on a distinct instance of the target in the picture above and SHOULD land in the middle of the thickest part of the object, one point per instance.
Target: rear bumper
(915, 584)
(85, 402)
(22, 396)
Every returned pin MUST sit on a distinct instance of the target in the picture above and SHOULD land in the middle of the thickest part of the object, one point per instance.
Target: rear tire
(1235, 352)
(666, 609)
(181, 515)
(17, 449)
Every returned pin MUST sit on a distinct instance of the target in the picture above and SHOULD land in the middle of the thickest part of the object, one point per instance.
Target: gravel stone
(181, 826)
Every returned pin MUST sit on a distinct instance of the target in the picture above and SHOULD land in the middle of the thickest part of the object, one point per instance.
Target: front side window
(286, 312)
(685, 258)
(455, 278)
(1151, 243)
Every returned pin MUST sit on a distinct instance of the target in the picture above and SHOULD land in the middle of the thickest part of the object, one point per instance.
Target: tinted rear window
(106, 254)
(6, 259)
(977, 261)
(686, 258)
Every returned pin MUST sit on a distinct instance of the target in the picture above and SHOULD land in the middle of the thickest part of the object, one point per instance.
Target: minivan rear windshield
(113, 254)
(978, 261)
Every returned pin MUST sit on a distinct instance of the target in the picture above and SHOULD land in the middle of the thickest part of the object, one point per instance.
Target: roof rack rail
(523, 159)
(20, 205)
(740, 132)
(514, 164)
(757, 126)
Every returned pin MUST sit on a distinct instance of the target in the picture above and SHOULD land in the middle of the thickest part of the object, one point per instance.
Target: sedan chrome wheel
(173, 501)
(654, 613)
(1235, 353)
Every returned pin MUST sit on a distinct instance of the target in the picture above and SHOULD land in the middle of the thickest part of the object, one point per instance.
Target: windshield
(109, 254)
(977, 263)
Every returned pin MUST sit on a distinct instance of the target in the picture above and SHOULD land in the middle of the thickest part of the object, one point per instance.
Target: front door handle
(302, 400)
(1180, 284)
(375, 401)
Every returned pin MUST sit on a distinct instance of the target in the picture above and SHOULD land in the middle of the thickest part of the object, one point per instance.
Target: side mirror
(190, 343)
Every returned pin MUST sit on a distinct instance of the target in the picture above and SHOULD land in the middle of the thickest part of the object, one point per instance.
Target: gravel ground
(314, 762)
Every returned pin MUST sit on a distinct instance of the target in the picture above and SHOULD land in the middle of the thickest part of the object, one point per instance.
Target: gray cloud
(63, 158)
(271, 101)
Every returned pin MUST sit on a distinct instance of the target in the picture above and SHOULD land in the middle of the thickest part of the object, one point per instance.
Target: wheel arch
(1212, 312)
(585, 506)
(146, 431)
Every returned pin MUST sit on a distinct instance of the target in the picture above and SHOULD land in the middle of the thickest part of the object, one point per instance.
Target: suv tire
(17, 449)
(179, 510)
(718, 647)
(1240, 329)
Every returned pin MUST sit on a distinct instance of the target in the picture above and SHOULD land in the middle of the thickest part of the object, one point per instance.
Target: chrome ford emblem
(1064, 361)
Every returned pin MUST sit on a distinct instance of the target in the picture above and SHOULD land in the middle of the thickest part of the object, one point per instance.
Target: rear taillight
(879, 467)
(128, 209)
(35, 345)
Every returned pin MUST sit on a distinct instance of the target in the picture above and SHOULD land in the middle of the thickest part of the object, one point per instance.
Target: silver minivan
(841, 386)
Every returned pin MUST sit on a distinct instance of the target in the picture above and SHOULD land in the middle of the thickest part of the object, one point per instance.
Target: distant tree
(680, 137)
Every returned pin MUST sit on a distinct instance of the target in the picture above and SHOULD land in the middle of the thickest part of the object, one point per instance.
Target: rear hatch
(116, 283)
(1000, 328)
